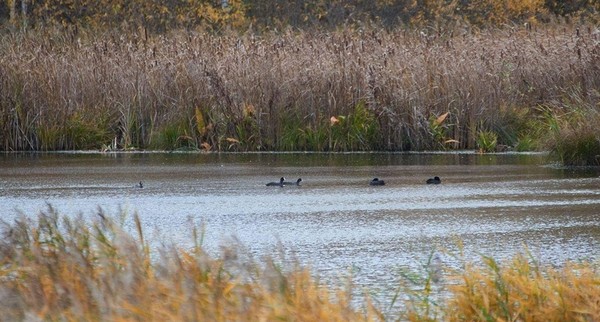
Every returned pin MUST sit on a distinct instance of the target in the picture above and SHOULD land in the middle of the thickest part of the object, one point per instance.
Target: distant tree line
(391, 13)
(154, 15)
(163, 15)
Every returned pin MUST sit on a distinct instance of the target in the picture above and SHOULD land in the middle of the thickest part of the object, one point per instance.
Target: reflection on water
(495, 204)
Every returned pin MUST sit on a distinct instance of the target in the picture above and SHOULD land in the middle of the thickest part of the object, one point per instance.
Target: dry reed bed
(247, 92)
(72, 269)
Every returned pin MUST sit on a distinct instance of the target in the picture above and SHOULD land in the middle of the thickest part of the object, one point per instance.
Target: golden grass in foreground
(56, 268)
(62, 269)
(521, 291)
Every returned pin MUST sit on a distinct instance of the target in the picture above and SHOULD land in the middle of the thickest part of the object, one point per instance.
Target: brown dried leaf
(441, 118)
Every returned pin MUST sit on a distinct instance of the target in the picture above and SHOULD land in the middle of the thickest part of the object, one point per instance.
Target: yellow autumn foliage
(155, 15)
(160, 16)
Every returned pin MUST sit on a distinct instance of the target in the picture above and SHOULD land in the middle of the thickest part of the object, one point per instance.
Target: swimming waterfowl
(290, 183)
(139, 185)
(434, 180)
(377, 182)
(280, 183)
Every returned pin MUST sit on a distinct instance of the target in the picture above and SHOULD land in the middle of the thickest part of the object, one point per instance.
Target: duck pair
(282, 183)
(378, 182)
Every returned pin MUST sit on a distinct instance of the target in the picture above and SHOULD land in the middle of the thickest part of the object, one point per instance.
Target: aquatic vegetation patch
(486, 141)
(357, 131)
(574, 137)
(175, 136)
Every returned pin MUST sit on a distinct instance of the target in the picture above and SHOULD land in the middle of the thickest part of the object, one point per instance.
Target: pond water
(337, 223)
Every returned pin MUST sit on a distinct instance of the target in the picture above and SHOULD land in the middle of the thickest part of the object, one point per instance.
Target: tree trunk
(24, 13)
(12, 7)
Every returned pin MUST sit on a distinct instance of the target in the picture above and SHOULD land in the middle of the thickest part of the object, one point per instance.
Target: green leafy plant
(247, 130)
(421, 288)
(81, 133)
(293, 137)
(578, 145)
(573, 137)
(439, 130)
(355, 131)
(175, 136)
(486, 141)
(526, 143)
(316, 137)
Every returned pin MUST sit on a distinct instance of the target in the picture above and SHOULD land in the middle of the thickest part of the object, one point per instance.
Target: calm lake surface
(335, 222)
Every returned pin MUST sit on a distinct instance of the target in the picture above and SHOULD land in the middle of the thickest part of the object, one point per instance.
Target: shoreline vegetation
(524, 78)
(57, 267)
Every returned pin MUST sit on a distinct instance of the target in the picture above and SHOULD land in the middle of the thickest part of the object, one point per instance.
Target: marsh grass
(56, 268)
(526, 142)
(440, 130)
(576, 140)
(486, 141)
(519, 289)
(60, 268)
(278, 91)
(174, 136)
(421, 290)
(523, 290)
